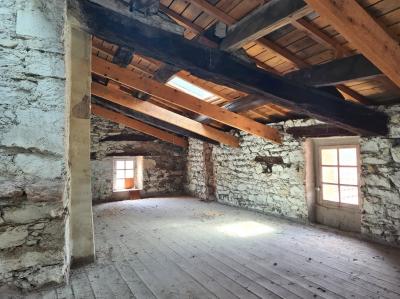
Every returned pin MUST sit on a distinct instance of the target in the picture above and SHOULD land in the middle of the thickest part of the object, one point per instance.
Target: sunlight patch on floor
(245, 229)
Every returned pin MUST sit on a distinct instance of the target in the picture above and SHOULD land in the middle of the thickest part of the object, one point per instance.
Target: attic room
(200, 149)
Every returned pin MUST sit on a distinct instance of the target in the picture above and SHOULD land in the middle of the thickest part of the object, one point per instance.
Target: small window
(339, 174)
(191, 89)
(124, 174)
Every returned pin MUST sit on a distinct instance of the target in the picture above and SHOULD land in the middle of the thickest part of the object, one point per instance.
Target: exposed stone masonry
(33, 167)
(241, 178)
(163, 163)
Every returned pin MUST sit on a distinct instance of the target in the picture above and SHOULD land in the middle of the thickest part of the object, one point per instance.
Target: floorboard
(185, 248)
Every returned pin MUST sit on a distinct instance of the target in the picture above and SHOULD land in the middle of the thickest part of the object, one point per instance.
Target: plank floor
(185, 248)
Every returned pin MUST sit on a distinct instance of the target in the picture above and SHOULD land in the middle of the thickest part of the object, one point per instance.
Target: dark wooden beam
(338, 71)
(128, 137)
(123, 56)
(222, 68)
(149, 120)
(148, 7)
(321, 130)
(265, 19)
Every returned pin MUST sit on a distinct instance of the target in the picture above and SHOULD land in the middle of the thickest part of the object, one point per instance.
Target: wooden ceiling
(308, 41)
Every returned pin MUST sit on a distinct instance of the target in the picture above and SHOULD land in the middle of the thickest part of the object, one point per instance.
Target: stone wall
(163, 163)
(33, 167)
(380, 158)
(270, 178)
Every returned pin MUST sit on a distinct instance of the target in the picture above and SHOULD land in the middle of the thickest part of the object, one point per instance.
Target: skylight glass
(189, 88)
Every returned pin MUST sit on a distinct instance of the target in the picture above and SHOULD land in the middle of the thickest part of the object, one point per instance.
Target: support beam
(262, 21)
(149, 120)
(123, 56)
(124, 99)
(221, 68)
(78, 78)
(126, 77)
(300, 63)
(336, 72)
(138, 126)
(351, 20)
(320, 130)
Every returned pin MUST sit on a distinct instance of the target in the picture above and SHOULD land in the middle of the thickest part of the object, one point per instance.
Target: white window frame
(337, 144)
(115, 159)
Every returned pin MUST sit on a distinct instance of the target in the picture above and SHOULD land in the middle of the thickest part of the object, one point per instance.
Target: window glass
(348, 175)
(329, 156)
(129, 173)
(123, 174)
(120, 164)
(329, 174)
(128, 164)
(348, 156)
(119, 184)
(330, 192)
(349, 194)
(120, 174)
(339, 174)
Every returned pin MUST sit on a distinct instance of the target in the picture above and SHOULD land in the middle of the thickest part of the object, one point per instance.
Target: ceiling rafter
(124, 76)
(351, 20)
(128, 101)
(227, 70)
(138, 125)
(289, 11)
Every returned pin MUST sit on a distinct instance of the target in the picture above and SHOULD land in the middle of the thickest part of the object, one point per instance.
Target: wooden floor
(184, 248)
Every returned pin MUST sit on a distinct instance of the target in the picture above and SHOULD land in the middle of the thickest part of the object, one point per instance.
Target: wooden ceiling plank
(363, 31)
(227, 70)
(196, 29)
(320, 37)
(213, 11)
(122, 75)
(262, 21)
(155, 111)
(138, 126)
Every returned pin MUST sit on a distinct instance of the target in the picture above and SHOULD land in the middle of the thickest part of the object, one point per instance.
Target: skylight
(189, 88)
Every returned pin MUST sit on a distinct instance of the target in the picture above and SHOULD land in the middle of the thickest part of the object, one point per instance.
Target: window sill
(126, 190)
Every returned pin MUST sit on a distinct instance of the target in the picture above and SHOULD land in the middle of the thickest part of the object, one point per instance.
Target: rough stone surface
(32, 151)
(242, 177)
(163, 163)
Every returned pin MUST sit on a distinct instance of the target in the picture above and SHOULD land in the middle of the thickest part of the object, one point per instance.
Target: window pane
(129, 164)
(119, 164)
(129, 173)
(329, 156)
(330, 192)
(349, 195)
(120, 174)
(119, 184)
(348, 175)
(348, 156)
(330, 175)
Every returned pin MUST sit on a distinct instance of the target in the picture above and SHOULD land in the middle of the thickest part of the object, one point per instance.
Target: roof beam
(126, 100)
(262, 21)
(222, 68)
(126, 77)
(138, 126)
(351, 20)
(149, 120)
(338, 71)
(300, 63)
